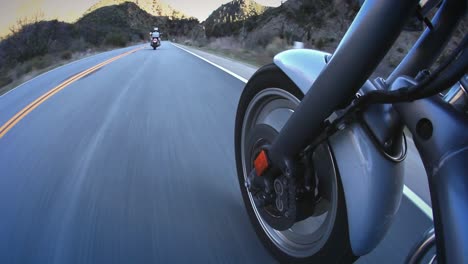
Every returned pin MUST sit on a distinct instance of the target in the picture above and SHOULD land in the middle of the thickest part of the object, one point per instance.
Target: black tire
(337, 248)
(154, 48)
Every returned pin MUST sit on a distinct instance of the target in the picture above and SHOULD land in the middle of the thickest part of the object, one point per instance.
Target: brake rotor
(279, 212)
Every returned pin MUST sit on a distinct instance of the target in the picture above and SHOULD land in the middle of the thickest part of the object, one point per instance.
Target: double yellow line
(25, 111)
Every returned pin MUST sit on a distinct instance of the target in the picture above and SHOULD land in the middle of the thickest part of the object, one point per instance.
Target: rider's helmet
(156, 29)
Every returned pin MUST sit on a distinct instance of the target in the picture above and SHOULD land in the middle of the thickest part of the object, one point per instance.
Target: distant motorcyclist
(155, 38)
(155, 33)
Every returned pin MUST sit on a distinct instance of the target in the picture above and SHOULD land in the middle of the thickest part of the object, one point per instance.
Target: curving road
(134, 163)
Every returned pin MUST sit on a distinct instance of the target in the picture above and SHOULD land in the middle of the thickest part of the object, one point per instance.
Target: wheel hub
(271, 109)
(274, 194)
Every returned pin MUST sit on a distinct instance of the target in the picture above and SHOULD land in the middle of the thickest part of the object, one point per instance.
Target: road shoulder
(240, 68)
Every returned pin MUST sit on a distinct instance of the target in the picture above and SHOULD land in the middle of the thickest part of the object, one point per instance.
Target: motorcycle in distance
(155, 43)
(320, 148)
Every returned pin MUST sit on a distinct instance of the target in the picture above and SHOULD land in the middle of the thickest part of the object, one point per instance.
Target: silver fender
(373, 186)
(302, 66)
(372, 183)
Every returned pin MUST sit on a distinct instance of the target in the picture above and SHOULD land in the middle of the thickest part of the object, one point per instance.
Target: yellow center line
(30, 107)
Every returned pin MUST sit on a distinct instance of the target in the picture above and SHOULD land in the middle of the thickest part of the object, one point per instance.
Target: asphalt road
(134, 163)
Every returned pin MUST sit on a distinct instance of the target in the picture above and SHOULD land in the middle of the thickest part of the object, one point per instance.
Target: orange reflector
(261, 163)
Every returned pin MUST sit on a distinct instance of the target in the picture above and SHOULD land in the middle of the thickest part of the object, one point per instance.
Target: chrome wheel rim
(273, 107)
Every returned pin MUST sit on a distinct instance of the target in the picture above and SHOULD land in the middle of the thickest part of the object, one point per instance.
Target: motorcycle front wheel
(269, 99)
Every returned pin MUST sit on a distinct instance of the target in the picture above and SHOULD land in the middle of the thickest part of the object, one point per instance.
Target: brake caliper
(277, 203)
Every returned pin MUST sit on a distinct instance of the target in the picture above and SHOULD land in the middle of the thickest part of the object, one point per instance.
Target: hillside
(129, 20)
(316, 22)
(153, 7)
(228, 17)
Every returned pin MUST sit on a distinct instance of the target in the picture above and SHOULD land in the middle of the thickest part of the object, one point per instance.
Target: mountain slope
(303, 20)
(130, 20)
(323, 21)
(153, 7)
(229, 14)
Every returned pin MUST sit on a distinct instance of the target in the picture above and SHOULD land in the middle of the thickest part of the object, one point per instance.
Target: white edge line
(420, 203)
(68, 64)
(212, 63)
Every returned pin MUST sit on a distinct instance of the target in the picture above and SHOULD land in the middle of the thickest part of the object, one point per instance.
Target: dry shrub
(5, 79)
(276, 46)
(116, 39)
(225, 43)
(66, 55)
(320, 43)
(259, 39)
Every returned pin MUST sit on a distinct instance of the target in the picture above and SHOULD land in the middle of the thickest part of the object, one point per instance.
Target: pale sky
(70, 10)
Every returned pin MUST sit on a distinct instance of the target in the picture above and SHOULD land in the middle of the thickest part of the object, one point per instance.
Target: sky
(70, 10)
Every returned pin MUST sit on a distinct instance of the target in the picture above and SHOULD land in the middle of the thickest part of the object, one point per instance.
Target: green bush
(42, 62)
(66, 55)
(5, 80)
(79, 44)
(23, 68)
(116, 39)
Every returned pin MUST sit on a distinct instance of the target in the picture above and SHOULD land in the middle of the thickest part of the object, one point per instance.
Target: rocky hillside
(153, 7)
(300, 20)
(226, 18)
(318, 22)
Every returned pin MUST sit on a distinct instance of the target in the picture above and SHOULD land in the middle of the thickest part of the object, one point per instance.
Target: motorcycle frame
(444, 152)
